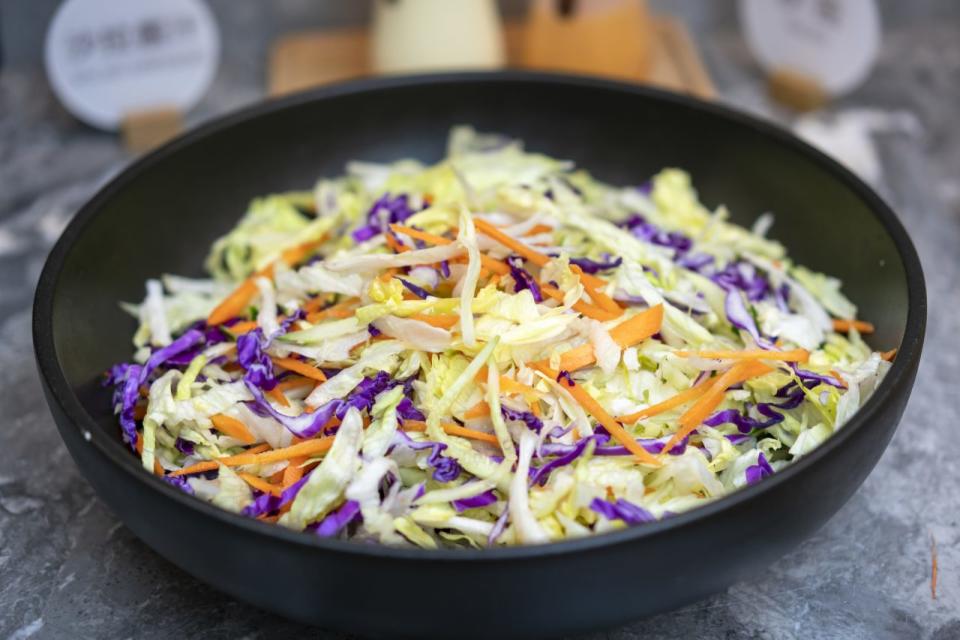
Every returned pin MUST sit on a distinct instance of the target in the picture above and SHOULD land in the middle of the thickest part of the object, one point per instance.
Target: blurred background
(88, 85)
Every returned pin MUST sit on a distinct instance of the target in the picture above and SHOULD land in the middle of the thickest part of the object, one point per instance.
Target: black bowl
(161, 214)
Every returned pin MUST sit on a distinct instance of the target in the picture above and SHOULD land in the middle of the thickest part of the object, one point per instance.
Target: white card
(108, 58)
(835, 42)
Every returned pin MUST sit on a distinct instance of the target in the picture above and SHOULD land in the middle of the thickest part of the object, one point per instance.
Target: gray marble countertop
(69, 568)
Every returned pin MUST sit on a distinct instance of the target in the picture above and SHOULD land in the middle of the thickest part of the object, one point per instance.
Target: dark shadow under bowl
(161, 214)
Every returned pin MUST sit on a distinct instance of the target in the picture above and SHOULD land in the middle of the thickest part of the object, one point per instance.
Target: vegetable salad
(497, 349)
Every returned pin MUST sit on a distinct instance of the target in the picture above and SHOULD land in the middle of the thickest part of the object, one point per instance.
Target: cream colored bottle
(430, 35)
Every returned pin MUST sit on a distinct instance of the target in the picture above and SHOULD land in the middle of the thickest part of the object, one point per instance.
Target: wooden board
(312, 58)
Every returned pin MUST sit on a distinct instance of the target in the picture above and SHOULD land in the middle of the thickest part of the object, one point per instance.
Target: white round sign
(835, 42)
(108, 58)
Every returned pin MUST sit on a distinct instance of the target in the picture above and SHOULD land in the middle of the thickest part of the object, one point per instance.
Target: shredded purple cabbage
(533, 422)
(739, 316)
(418, 291)
(477, 501)
(759, 471)
(445, 469)
(306, 425)
(639, 227)
(523, 279)
(407, 411)
(180, 483)
(338, 519)
(595, 266)
(744, 277)
(184, 446)
(385, 211)
(268, 503)
(622, 510)
(253, 358)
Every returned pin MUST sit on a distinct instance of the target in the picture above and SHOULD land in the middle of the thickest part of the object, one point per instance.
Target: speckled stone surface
(70, 569)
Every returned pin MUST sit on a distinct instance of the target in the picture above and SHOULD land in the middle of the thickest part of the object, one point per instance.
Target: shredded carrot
(234, 303)
(295, 383)
(233, 428)
(441, 320)
(537, 229)
(594, 408)
(157, 469)
(241, 328)
(795, 355)
(626, 334)
(843, 326)
(599, 298)
(479, 410)
(675, 401)
(580, 306)
(395, 244)
(388, 274)
(416, 234)
(260, 455)
(453, 430)
(889, 355)
(695, 415)
(265, 518)
(277, 395)
(293, 471)
(501, 268)
(314, 304)
(139, 412)
(260, 484)
(839, 378)
(277, 478)
(298, 366)
(509, 385)
(530, 254)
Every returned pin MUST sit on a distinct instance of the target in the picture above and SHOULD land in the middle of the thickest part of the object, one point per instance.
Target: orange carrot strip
(675, 401)
(298, 366)
(243, 327)
(441, 320)
(580, 306)
(501, 268)
(277, 395)
(157, 469)
(599, 298)
(888, 355)
(259, 455)
(626, 334)
(597, 411)
(695, 415)
(395, 244)
(479, 410)
(233, 428)
(260, 484)
(295, 383)
(314, 304)
(453, 430)
(293, 471)
(795, 355)
(526, 251)
(234, 303)
(843, 326)
(416, 234)
(537, 229)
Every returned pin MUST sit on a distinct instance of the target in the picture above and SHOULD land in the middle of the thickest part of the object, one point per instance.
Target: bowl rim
(60, 391)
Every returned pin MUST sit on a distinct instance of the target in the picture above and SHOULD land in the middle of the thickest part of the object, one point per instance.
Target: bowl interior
(163, 214)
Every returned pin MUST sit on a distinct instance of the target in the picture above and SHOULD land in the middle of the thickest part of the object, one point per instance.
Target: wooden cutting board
(313, 58)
